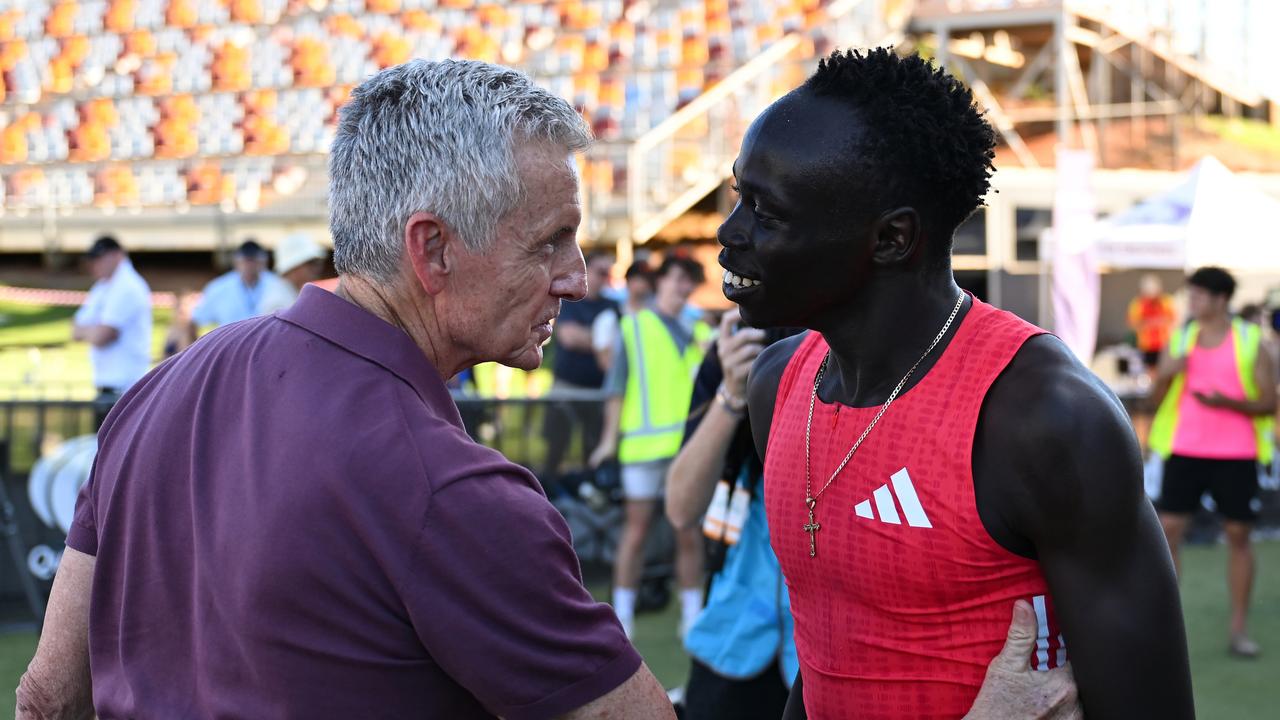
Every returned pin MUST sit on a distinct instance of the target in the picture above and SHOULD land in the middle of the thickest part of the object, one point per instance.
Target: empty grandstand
(223, 110)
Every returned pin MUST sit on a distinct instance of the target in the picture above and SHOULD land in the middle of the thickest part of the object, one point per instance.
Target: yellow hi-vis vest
(1248, 341)
(659, 387)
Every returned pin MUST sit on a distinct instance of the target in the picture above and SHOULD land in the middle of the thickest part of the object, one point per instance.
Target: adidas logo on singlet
(885, 510)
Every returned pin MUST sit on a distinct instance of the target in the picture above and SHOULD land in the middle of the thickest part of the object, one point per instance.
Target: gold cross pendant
(812, 528)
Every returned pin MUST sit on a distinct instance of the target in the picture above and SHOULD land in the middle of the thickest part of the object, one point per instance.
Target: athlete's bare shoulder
(1051, 432)
(762, 388)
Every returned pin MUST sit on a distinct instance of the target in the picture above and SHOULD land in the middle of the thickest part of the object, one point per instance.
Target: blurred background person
(1214, 426)
(638, 294)
(741, 647)
(574, 367)
(1151, 316)
(655, 356)
(238, 294)
(115, 320)
(180, 334)
(299, 260)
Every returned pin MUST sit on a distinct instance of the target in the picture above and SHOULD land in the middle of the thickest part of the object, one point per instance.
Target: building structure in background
(184, 126)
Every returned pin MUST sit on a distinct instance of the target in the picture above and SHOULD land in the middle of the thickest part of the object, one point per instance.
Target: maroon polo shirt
(290, 522)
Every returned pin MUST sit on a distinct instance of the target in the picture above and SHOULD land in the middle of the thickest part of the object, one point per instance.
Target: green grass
(1224, 687)
(38, 359)
(15, 652)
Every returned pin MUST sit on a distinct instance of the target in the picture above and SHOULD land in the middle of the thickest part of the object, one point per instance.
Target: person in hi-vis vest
(655, 357)
(1214, 425)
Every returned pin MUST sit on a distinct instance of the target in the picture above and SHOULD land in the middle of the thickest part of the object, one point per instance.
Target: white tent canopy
(1211, 218)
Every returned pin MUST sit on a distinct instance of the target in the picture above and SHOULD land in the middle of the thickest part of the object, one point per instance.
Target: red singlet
(909, 598)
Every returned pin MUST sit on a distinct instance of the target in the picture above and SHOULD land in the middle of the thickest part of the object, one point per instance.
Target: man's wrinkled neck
(393, 305)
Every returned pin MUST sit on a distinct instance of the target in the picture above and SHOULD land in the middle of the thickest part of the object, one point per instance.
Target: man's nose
(571, 284)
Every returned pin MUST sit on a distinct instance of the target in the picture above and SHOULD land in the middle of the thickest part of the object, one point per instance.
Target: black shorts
(1233, 484)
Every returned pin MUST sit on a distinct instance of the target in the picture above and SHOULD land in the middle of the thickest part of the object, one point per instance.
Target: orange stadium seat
(119, 17)
(141, 43)
(13, 144)
(231, 67)
(246, 11)
(9, 24)
(344, 25)
(90, 143)
(420, 21)
(181, 14)
(60, 22)
(391, 48)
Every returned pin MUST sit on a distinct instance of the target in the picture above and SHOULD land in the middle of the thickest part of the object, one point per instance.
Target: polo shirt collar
(362, 333)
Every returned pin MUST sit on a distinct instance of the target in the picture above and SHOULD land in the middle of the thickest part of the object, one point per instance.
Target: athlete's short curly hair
(928, 145)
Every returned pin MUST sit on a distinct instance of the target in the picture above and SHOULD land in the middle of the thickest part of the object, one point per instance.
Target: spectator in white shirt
(115, 319)
(299, 260)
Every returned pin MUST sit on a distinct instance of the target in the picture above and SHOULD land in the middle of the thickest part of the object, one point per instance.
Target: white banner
(1075, 286)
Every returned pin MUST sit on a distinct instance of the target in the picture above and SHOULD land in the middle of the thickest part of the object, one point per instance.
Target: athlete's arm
(1058, 476)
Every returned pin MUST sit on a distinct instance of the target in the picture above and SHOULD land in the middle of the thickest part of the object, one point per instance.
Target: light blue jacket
(746, 626)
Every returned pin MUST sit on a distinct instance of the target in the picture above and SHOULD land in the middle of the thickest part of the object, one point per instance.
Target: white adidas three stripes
(885, 508)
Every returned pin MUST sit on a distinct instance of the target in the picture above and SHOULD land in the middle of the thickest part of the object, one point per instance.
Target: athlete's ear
(897, 234)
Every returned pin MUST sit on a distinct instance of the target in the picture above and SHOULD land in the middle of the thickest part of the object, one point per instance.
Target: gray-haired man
(288, 519)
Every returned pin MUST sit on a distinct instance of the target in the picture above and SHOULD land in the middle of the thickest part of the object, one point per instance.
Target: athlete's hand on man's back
(1013, 691)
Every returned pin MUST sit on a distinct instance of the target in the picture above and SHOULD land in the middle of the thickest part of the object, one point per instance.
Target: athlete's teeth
(738, 281)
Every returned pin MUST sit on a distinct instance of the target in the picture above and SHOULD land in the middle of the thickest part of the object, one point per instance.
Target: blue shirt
(226, 299)
(746, 625)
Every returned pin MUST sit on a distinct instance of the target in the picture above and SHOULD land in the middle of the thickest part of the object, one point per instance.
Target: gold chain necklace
(811, 500)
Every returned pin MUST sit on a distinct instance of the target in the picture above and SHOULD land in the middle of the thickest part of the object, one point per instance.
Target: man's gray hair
(436, 137)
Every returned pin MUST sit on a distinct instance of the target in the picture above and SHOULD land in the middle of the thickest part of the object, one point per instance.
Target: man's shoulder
(433, 439)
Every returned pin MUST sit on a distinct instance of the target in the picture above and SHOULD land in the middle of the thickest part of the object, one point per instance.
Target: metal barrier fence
(551, 435)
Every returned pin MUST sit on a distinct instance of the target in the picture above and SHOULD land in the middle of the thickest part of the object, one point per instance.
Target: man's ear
(897, 234)
(429, 245)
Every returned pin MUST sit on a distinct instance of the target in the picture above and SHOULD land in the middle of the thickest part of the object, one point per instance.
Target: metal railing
(682, 159)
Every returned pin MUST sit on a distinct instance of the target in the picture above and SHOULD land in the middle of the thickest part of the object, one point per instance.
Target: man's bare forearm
(57, 683)
(95, 335)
